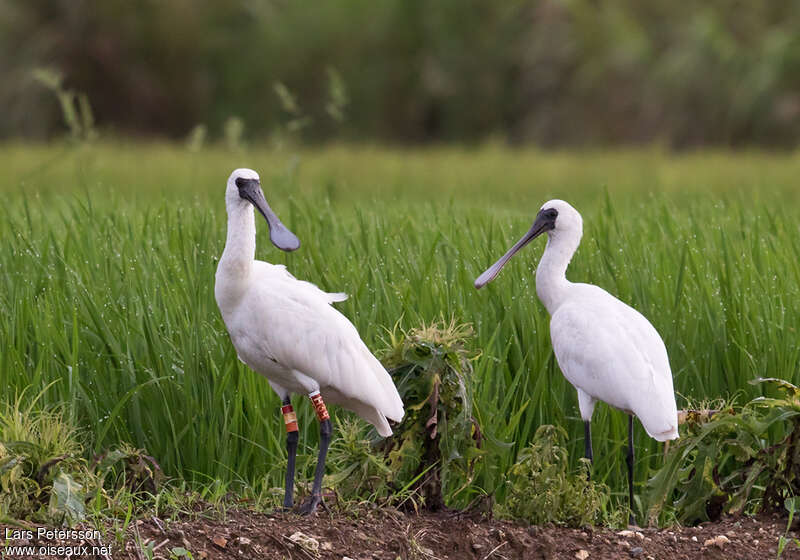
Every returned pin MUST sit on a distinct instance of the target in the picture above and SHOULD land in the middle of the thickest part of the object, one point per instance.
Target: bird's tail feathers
(334, 297)
(371, 415)
(391, 405)
(382, 425)
(672, 433)
(660, 429)
(659, 416)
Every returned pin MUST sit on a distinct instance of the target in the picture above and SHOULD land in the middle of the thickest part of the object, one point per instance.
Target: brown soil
(390, 534)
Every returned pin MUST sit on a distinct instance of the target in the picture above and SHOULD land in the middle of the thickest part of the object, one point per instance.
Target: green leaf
(67, 498)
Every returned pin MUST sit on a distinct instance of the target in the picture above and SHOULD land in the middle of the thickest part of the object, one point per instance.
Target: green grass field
(109, 251)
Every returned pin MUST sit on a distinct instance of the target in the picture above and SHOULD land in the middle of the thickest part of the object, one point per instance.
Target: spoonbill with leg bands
(286, 330)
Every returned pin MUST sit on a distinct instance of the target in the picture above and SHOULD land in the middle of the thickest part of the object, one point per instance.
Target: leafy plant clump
(45, 477)
(431, 457)
(436, 445)
(360, 471)
(739, 461)
(543, 490)
(41, 471)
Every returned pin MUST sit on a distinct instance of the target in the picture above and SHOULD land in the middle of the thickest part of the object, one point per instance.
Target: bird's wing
(266, 270)
(292, 323)
(614, 354)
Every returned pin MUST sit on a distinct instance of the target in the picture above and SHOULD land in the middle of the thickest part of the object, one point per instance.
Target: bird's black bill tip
(279, 234)
(486, 277)
(283, 239)
(491, 273)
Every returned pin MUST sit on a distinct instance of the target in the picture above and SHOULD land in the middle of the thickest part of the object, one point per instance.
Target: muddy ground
(389, 534)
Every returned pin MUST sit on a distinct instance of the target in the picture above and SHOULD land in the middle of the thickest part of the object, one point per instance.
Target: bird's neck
(240, 245)
(551, 274)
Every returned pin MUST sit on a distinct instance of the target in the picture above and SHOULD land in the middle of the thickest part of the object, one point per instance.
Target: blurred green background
(553, 73)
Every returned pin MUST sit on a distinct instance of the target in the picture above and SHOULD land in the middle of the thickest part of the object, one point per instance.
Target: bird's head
(244, 188)
(556, 218)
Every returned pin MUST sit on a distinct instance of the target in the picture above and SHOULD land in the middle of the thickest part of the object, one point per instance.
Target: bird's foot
(281, 509)
(311, 504)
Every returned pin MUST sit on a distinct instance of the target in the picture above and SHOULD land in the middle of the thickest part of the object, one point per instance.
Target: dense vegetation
(109, 252)
(551, 72)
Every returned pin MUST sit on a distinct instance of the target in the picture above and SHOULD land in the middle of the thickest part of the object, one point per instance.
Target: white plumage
(286, 330)
(606, 349)
(610, 352)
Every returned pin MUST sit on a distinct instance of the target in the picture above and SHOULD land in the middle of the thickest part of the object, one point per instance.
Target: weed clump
(543, 490)
(431, 457)
(739, 461)
(360, 470)
(42, 474)
(45, 477)
(436, 445)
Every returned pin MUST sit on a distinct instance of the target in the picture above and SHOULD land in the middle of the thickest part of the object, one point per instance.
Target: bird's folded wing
(617, 357)
(300, 330)
(278, 273)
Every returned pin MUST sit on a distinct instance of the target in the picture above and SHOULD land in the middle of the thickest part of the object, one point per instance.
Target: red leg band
(319, 406)
(289, 418)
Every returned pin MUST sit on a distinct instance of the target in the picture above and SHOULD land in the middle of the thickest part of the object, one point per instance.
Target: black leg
(292, 436)
(587, 440)
(629, 459)
(325, 431)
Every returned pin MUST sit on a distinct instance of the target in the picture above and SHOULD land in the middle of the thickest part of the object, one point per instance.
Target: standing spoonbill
(286, 330)
(606, 349)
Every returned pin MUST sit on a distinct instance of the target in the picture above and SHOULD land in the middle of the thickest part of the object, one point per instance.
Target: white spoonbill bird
(606, 349)
(286, 330)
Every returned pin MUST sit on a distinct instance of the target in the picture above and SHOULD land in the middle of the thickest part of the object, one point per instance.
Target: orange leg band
(319, 406)
(289, 418)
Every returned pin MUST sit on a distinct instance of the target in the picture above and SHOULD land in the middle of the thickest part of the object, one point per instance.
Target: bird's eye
(552, 213)
(240, 182)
